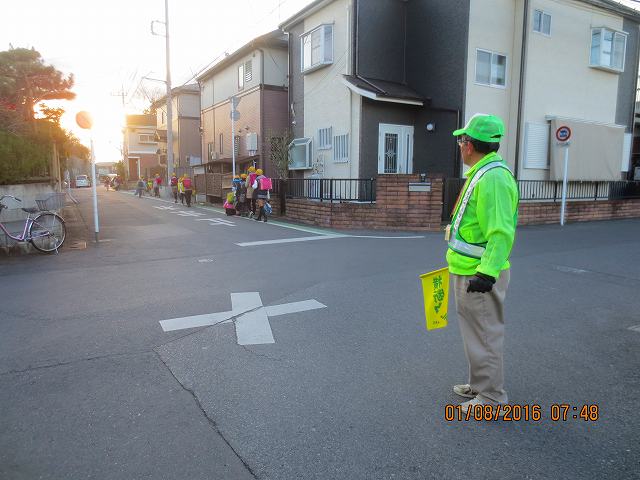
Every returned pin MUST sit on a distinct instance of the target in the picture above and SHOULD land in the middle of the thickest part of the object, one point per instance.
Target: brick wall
(395, 208)
(582, 211)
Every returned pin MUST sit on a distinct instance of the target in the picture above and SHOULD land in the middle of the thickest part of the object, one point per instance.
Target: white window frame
(542, 15)
(341, 148)
(326, 51)
(150, 138)
(325, 138)
(492, 66)
(241, 76)
(301, 142)
(600, 65)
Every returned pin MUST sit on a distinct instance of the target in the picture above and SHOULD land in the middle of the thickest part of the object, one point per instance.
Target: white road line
(389, 238)
(635, 328)
(195, 321)
(293, 307)
(289, 240)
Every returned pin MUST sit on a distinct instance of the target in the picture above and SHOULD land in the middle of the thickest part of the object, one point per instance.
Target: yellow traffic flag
(435, 288)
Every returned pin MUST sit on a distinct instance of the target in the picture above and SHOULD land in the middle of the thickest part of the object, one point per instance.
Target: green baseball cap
(486, 128)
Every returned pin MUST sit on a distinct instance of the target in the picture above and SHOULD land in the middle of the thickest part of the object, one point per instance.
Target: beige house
(256, 74)
(187, 149)
(141, 147)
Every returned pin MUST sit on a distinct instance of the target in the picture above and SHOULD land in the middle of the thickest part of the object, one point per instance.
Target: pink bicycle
(45, 231)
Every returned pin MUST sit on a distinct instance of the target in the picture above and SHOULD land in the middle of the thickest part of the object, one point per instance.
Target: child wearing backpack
(262, 184)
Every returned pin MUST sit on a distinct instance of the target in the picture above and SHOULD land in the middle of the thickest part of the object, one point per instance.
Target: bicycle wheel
(47, 232)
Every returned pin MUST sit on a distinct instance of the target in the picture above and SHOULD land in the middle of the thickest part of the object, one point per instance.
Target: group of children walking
(250, 192)
(181, 188)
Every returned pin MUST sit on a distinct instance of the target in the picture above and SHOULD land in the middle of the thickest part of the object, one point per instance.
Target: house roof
(616, 7)
(383, 90)
(304, 13)
(191, 88)
(274, 39)
(610, 5)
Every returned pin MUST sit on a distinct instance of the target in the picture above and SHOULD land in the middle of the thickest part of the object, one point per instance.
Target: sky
(108, 46)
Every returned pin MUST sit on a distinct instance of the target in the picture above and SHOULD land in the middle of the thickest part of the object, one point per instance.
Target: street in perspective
(320, 239)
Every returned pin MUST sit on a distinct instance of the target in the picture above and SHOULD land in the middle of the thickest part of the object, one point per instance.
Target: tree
(25, 80)
(279, 151)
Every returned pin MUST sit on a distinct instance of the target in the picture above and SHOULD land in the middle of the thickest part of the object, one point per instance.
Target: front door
(395, 148)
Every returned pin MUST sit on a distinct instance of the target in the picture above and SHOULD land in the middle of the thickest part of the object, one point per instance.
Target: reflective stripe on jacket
(487, 226)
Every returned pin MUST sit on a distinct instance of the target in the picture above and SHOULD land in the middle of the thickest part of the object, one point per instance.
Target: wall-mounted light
(431, 127)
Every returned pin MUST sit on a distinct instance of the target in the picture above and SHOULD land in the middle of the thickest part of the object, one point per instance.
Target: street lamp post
(84, 120)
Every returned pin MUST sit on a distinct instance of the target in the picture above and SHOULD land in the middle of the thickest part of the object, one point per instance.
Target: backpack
(186, 183)
(174, 181)
(265, 183)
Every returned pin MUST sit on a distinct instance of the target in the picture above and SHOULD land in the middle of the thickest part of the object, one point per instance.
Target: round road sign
(563, 134)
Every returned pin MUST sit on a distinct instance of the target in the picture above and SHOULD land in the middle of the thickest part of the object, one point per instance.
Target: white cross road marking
(184, 213)
(164, 207)
(216, 221)
(252, 318)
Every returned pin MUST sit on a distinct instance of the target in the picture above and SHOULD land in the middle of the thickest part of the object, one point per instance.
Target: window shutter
(536, 153)
(248, 71)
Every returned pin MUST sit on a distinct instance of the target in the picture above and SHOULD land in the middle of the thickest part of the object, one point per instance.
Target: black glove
(481, 283)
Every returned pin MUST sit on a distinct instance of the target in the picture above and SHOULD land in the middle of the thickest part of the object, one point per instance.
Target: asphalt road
(91, 386)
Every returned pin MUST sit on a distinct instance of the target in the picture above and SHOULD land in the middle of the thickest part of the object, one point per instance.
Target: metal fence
(329, 189)
(551, 191)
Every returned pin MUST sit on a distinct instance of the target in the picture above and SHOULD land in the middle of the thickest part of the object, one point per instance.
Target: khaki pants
(481, 320)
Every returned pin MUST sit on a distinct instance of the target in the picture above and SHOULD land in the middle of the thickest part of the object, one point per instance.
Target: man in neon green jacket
(480, 239)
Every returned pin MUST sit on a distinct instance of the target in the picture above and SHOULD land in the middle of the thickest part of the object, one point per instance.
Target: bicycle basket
(52, 202)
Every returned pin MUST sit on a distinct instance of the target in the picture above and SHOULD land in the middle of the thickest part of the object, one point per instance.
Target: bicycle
(46, 231)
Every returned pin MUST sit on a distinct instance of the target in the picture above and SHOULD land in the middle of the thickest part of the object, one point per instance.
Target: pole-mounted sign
(563, 134)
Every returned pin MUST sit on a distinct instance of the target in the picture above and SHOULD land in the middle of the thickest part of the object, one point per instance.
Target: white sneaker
(475, 402)
(464, 391)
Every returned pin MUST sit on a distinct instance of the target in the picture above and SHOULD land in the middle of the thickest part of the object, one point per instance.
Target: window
(324, 138)
(164, 118)
(300, 154)
(607, 49)
(341, 148)
(221, 137)
(541, 22)
(147, 138)
(491, 68)
(210, 150)
(248, 71)
(317, 48)
(241, 77)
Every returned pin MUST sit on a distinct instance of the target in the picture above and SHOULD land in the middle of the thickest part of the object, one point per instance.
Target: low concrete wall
(27, 193)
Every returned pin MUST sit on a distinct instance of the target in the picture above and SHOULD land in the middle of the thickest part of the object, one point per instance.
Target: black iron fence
(329, 189)
(551, 191)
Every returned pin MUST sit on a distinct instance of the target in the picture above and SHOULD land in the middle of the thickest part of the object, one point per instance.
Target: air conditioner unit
(214, 156)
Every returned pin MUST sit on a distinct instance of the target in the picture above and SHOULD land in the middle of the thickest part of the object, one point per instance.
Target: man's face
(465, 148)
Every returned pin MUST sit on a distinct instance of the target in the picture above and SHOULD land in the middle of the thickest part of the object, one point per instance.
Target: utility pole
(168, 84)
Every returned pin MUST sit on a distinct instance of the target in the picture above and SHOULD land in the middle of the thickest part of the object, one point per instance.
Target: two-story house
(255, 74)
(141, 147)
(376, 87)
(187, 151)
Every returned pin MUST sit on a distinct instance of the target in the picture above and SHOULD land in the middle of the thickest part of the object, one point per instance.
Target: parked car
(82, 181)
